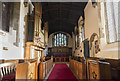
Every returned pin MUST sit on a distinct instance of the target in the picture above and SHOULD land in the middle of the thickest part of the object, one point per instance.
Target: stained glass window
(60, 39)
(64, 40)
(55, 40)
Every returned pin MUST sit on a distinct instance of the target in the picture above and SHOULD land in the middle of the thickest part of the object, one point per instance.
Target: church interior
(70, 41)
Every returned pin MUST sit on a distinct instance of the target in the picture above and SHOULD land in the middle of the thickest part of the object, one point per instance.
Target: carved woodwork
(7, 69)
(27, 70)
(60, 59)
(28, 50)
(44, 68)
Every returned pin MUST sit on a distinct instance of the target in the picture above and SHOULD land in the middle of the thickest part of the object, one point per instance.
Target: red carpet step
(61, 72)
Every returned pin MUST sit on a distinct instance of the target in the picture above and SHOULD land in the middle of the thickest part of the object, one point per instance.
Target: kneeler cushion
(9, 77)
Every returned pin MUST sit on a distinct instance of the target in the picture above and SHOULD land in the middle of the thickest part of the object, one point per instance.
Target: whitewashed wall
(13, 51)
(92, 25)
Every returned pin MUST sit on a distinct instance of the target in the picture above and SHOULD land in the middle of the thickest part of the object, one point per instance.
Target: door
(86, 48)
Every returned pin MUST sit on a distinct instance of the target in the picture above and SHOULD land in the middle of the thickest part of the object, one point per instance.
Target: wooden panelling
(90, 68)
(78, 68)
(60, 51)
(11, 61)
(93, 70)
(22, 73)
(61, 59)
(98, 70)
(27, 70)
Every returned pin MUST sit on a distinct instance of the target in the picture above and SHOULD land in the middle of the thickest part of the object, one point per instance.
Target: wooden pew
(78, 67)
(115, 68)
(12, 61)
(81, 70)
(98, 70)
(27, 70)
(7, 71)
(9, 61)
(1, 61)
(90, 68)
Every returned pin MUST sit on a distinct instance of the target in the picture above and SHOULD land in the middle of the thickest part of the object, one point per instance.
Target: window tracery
(60, 39)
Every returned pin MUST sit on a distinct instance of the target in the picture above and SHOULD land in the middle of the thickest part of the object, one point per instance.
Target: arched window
(112, 13)
(60, 39)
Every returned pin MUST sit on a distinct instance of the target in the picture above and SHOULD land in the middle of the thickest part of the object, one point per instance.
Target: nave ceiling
(62, 16)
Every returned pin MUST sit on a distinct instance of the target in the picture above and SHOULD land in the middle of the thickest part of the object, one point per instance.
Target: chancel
(42, 40)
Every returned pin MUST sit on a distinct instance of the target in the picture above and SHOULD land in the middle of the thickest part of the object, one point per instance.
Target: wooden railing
(90, 68)
(6, 69)
(18, 69)
(44, 68)
(9, 61)
(61, 59)
(26, 68)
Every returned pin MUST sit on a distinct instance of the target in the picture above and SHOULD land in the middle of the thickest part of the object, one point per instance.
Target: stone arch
(94, 37)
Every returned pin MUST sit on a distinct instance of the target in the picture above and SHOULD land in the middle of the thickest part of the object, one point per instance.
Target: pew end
(27, 70)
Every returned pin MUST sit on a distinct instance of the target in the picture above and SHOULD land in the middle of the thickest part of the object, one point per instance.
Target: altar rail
(60, 59)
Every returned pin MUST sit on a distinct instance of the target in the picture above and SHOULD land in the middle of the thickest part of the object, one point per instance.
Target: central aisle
(61, 71)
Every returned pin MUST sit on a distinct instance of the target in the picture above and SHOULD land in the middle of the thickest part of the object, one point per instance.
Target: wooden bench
(78, 67)
(98, 70)
(27, 70)
(9, 61)
(1, 61)
(7, 71)
(26, 60)
(115, 68)
(81, 70)
(90, 68)
(114, 65)
(12, 61)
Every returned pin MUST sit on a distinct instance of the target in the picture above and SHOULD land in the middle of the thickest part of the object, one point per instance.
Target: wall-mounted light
(5, 48)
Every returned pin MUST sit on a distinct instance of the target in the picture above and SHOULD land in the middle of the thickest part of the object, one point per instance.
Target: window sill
(112, 47)
(2, 33)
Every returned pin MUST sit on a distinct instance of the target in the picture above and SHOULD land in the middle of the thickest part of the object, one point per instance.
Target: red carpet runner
(61, 72)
